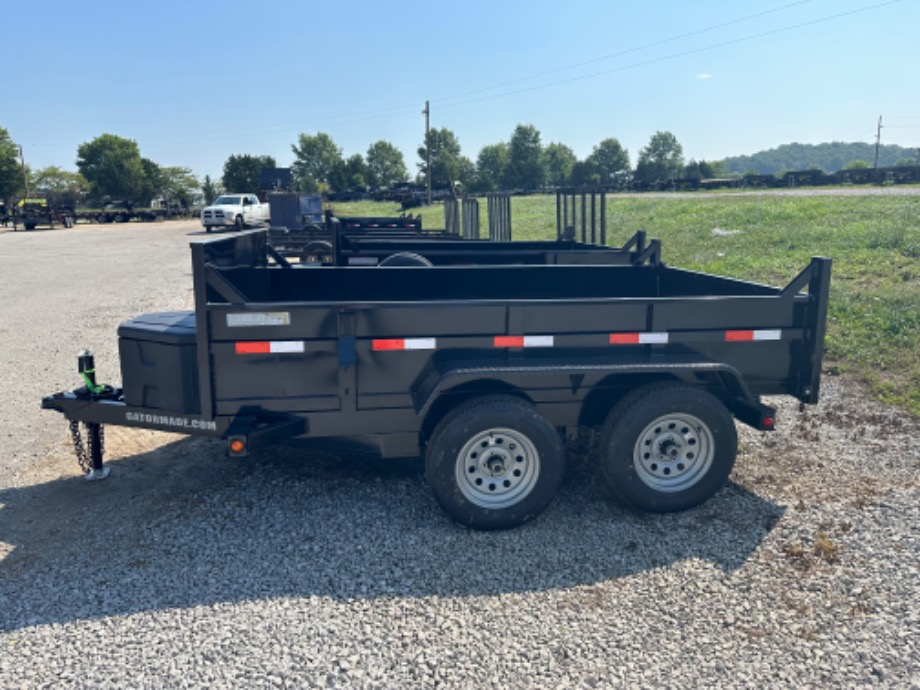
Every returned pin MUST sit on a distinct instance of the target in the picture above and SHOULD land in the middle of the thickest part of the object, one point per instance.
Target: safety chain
(79, 446)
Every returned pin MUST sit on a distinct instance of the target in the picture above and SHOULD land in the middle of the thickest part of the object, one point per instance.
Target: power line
(385, 113)
(684, 53)
(395, 111)
(626, 51)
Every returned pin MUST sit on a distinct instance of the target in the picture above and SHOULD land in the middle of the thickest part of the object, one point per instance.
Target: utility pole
(427, 113)
(25, 174)
(878, 141)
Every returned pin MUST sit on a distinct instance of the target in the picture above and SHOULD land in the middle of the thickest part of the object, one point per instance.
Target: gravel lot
(186, 568)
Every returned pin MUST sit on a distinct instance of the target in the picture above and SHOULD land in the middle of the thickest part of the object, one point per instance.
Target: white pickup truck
(238, 210)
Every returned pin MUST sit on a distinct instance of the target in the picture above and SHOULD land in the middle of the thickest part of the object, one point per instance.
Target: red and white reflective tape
(503, 341)
(748, 336)
(638, 338)
(523, 341)
(405, 344)
(265, 347)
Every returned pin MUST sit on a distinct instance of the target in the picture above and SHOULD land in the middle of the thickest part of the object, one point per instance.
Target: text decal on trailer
(272, 318)
(164, 420)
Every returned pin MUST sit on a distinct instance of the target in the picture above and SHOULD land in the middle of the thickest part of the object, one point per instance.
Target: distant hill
(830, 157)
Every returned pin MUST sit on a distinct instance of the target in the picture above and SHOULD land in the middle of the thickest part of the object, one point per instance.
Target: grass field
(874, 316)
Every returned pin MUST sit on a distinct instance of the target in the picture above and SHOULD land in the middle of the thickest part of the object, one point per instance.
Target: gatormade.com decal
(168, 420)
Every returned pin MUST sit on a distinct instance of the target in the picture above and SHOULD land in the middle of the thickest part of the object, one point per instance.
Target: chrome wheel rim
(497, 468)
(673, 453)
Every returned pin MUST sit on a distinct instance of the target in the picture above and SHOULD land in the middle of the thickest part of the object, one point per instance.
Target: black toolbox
(159, 368)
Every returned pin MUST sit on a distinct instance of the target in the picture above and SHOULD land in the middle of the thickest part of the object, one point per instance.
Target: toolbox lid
(169, 327)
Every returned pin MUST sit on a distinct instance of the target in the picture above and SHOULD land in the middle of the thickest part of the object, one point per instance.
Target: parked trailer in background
(126, 211)
(35, 211)
(484, 370)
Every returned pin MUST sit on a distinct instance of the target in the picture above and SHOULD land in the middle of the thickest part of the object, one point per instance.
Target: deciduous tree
(560, 160)
(55, 181)
(241, 172)
(349, 174)
(490, 167)
(113, 167)
(153, 180)
(661, 159)
(210, 189)
(316, 158)
(607, 160)
(448, 166)
(707, 170)
(385, 165)
(178, 184)
(526, 166)
(11, 179)
(584, 175)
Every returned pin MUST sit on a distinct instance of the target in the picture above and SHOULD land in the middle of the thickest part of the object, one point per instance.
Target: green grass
(874, 314)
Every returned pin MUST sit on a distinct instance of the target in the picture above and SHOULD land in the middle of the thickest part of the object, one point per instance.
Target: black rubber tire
(623, 461)
(208, 228)
(238, 223)
(29, 226)
(405, 259)
(495, 418)
(317, 252)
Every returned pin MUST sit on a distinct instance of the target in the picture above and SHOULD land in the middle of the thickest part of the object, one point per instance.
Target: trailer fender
(733, 391)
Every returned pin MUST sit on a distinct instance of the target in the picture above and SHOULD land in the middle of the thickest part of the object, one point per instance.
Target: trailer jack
(90, 453)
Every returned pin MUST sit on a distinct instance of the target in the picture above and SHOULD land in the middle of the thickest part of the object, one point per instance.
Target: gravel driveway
(299, 568)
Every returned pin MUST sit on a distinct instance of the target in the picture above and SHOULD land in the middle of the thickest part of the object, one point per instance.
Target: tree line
(521, 163)
(112, 167)
(108, 168)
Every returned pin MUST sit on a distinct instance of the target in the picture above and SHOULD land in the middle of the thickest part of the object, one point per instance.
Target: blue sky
(194, 82)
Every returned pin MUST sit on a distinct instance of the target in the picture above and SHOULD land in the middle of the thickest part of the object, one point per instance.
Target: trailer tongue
(484, 369)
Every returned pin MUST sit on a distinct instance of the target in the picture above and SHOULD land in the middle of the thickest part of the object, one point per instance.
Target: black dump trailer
(296, 231)
(400, 241)
(483, 370)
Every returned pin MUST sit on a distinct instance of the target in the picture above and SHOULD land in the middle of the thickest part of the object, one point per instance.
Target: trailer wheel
(405, 259)
(494, 463)
(28, 226)
(317, 252)
(208, 228)
(668, 447)
(238, 223)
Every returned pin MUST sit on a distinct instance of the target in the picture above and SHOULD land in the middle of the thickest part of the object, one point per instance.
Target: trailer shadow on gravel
(183, 526)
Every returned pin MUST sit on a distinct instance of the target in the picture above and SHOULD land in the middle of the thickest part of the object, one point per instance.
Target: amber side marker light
(237, 446)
